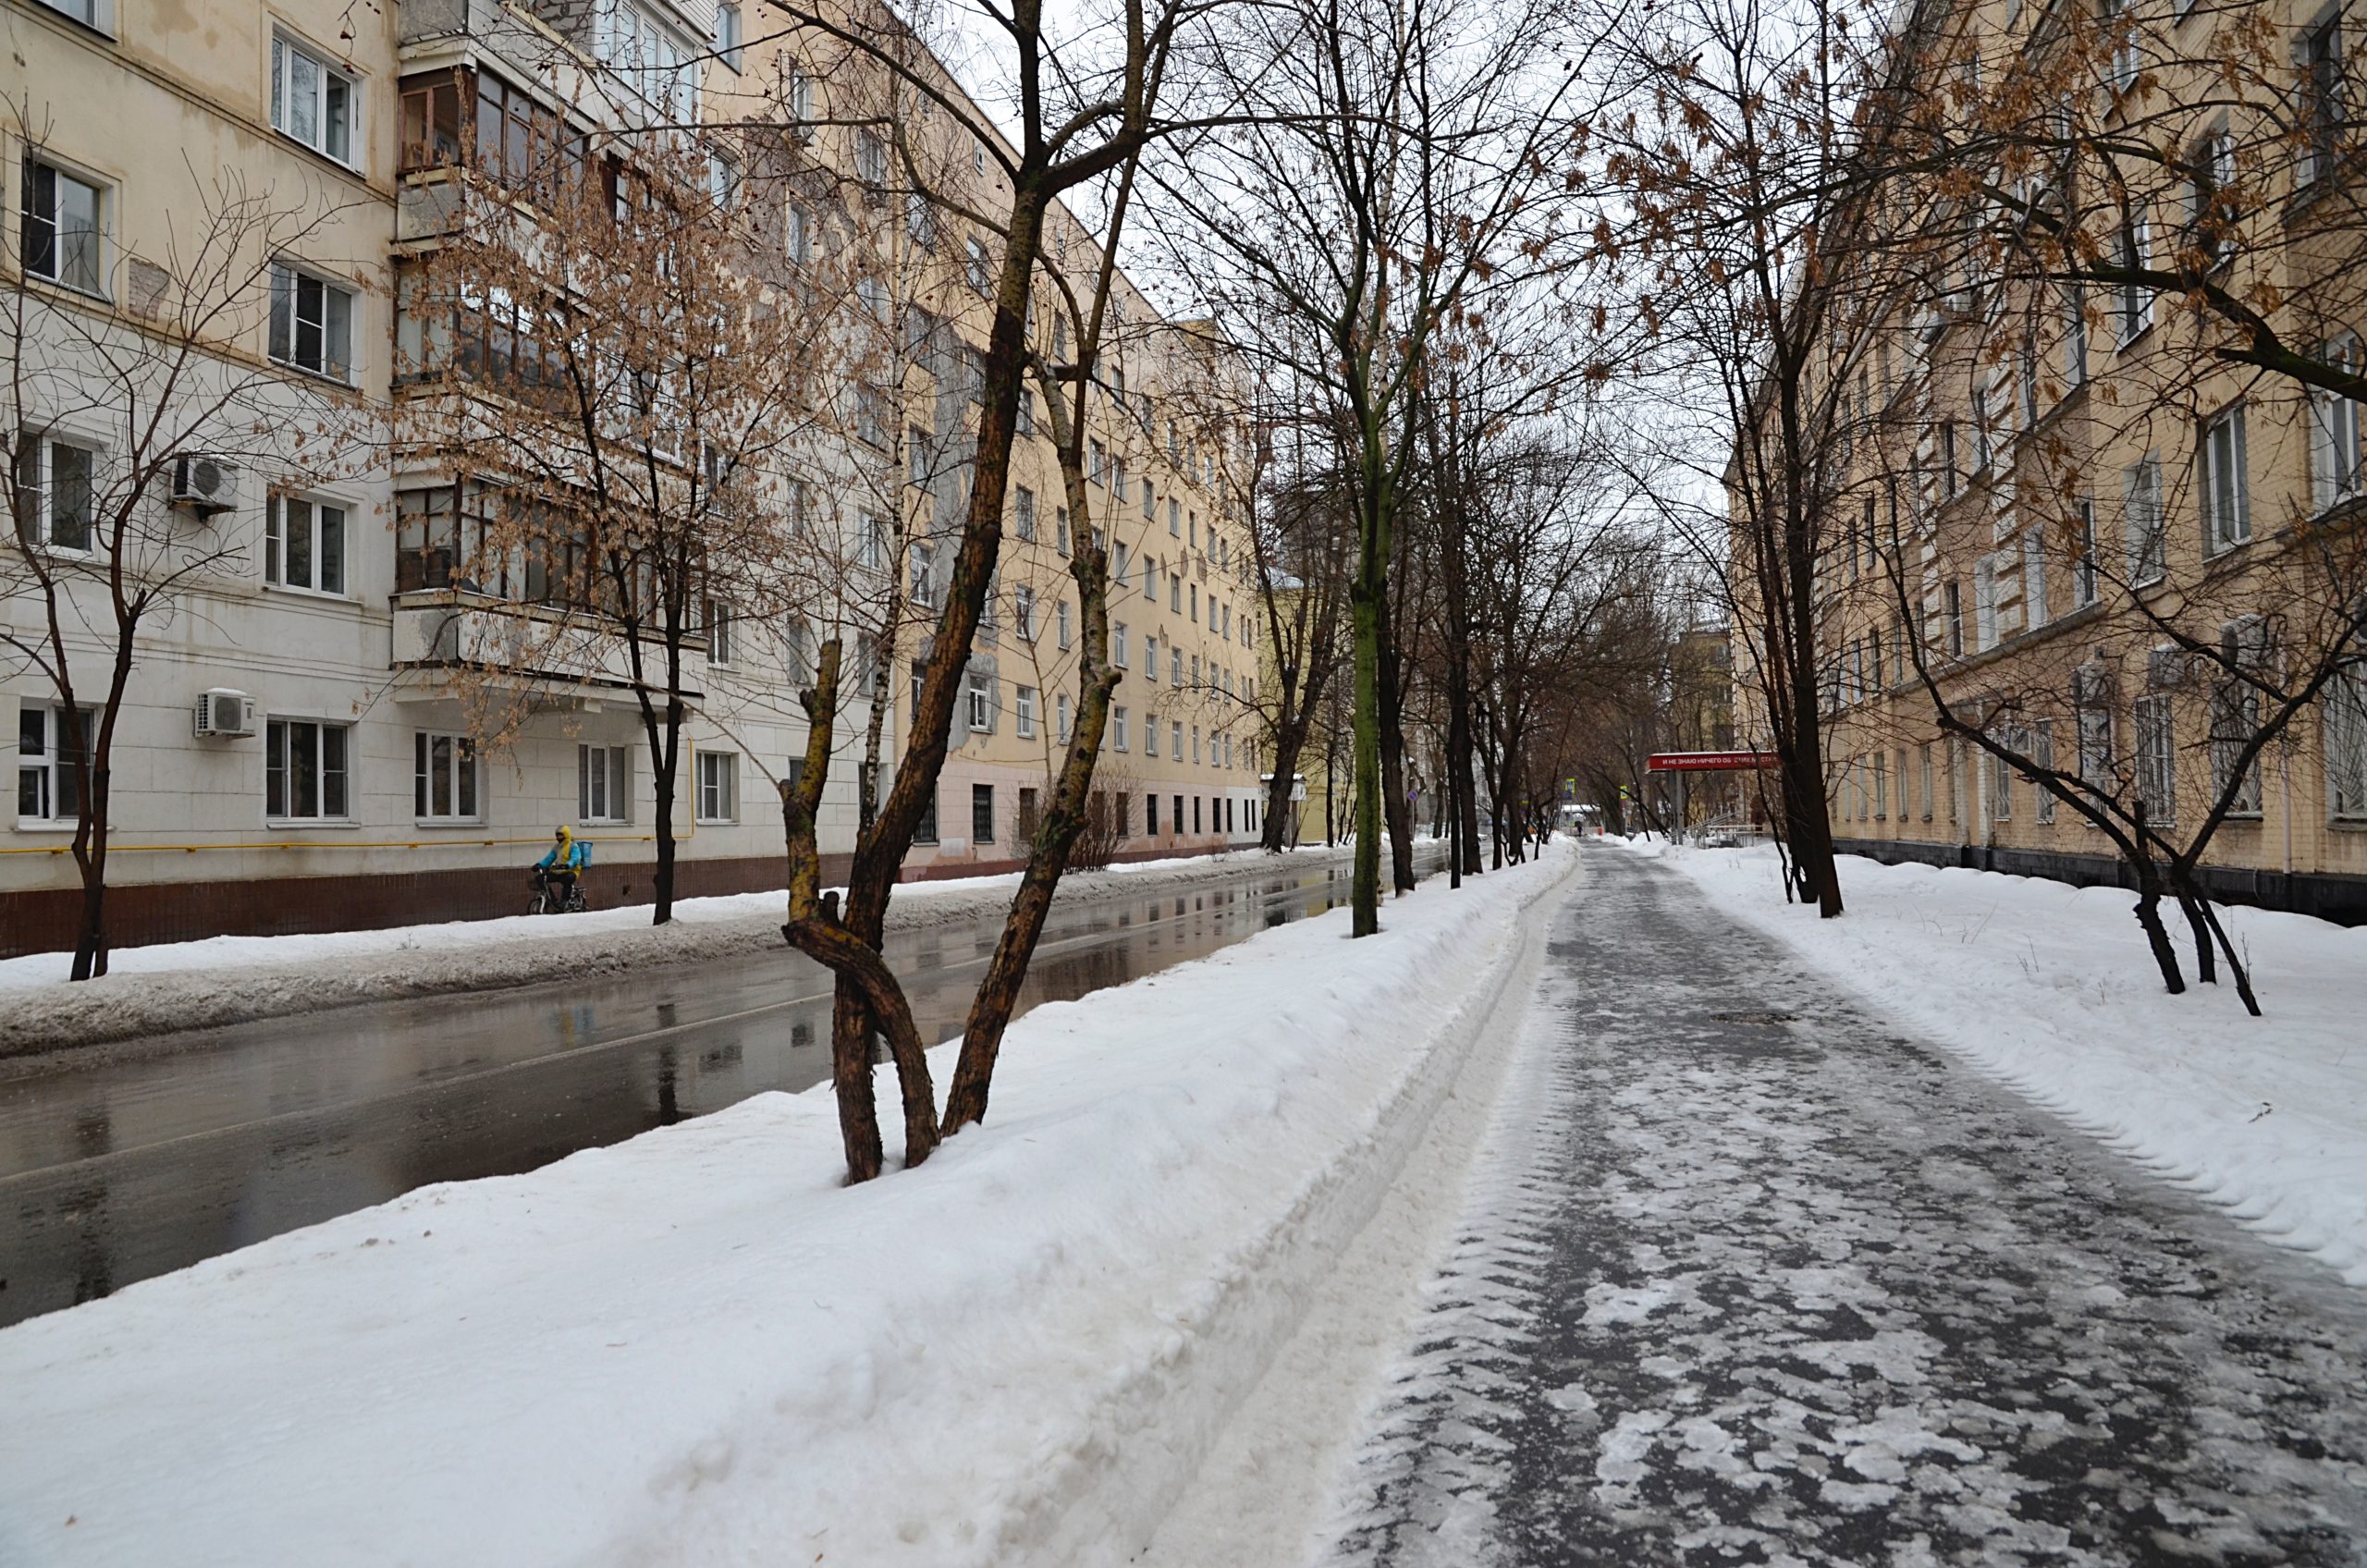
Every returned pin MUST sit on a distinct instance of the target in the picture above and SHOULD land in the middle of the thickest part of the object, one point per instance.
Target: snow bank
(2050, 989)
(695, 1347)
(224, 980)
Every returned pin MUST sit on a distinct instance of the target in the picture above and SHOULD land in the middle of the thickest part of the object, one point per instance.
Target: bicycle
(548, 899)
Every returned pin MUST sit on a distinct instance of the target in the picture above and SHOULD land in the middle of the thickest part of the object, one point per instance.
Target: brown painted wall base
(140, 914)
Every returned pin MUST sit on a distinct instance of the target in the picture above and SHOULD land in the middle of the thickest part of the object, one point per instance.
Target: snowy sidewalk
(1744, 1276)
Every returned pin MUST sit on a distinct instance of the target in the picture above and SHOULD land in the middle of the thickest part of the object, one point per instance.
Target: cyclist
(556, 873)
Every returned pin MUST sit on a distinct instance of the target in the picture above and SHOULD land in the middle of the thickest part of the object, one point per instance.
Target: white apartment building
(217, 199)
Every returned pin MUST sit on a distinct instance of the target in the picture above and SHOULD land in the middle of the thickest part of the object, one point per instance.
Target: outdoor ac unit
(208, 484)
(224, 712)
(2165, 669)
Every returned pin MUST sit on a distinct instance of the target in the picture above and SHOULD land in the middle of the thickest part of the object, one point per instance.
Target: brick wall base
(2327, 895)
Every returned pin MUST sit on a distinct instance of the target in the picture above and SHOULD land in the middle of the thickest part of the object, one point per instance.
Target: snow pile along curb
(224, 980)
(2049, 988)
(695, 1347)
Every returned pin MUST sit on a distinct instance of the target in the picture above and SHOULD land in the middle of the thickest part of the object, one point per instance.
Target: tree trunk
(1289, 741)
(1365, 605)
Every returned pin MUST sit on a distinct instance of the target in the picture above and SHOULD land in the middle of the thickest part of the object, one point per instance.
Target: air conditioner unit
(2166, 668)
(224, 712)
(206, 484)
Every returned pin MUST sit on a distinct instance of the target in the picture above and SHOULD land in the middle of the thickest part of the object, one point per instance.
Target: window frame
(279, 759)
(37, 158)
(275, 544)
(2213, 466)
(715, 776)
(47, 763)
(36, 500)
(288, 296)
(461, 776)
(286, 49)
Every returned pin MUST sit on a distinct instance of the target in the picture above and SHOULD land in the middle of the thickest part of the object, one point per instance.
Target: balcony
(446, 636)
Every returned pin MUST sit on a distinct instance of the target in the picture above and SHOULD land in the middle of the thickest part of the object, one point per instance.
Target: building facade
(220, 212)
(2061, 503)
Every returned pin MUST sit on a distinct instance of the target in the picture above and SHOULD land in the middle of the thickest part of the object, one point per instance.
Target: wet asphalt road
(125, 1164)
(1749, 1277)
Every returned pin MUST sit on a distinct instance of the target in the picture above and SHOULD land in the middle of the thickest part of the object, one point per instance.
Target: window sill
(76, 289)
(43, 824)
(428, 824)
(318, 596)
(306, 824)
(716, 821)
(319, 375)
(327, 157)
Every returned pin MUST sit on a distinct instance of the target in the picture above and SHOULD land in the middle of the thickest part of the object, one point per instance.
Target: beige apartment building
(292, 753)
(2087, 523)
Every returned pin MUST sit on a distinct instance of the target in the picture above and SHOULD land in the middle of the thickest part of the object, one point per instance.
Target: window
(2001, 783)
(1061, 515)
(51, 765)
(1151, 583)
(2226, 506)
(1023, 514)
(728, 35)
(305, 770)
(1118, 646)
(981, 266)
(1150, 809)
(2156, 760)
(1024, 712)
(2038, 742)
(1176, 745)
(1150, 659)
(2033, 581)
(924, 561)
(603, 787)
(1175, 510)
(56, 504)
(2128, 52)
(1955, 614)
(1150, 508)
(2319, 57)
(2345, 716)
(978, 703)
(1151, 736)
(1175, 591)
(2210, 170)
(715, 620)
(2335, 433)
(443, 777)
(1096, 462)
(1118, 728)
(797, 649)
(981, 813)
(312, 323)
(311, 101)
(1923, 765)
(2146, 544)
(927, 832)
(1025, 829)
(304, 545)
(59, 237)
(2083, 569)
(660, 68)
(1061, 620)
(430, 105)
(95, 14)
(2235, 720)
(1062, 718)
(1174, 670)
(1022, 601)
(719, 785)
(2134, 300)
(2075, 335)
(1196, 742)
(722, 181)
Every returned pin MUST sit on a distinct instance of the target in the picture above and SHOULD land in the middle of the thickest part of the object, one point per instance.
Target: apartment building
(301, 744)
(2110, 542)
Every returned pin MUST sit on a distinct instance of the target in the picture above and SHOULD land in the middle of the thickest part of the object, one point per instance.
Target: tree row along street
(154, 1158)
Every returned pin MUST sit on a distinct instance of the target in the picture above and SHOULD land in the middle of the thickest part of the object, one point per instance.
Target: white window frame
(1118, 727)
(2220, 464)
(977, 703)
(1061, 717)
(458, 773)
(2155, 723)
(731, 35)
(44, 765)
(603, 783)
(715, 623)
(37, 451)
(101, 17)
(2343, 714)
(716, 774)
(2334, 433)
(279, 743)
(1024, 712)
(1118, 646)
(2145, 533)
(287, 281)
(92, 277)
(276, 536)
(286, 51)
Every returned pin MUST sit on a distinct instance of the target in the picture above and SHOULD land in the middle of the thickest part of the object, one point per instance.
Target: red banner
(1707, 762)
